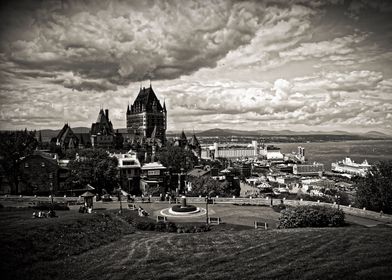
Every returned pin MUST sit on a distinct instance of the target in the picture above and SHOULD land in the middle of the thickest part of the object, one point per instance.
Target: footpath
(361, 216)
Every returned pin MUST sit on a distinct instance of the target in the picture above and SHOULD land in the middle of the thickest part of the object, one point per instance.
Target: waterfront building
(244, 170)
(288, 180)
(348, 166)
(301, 153)
(271, 152)
(229, 151)
(308, 169)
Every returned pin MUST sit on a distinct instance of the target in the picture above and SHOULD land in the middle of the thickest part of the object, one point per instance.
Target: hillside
(77, 246)
(345, 253)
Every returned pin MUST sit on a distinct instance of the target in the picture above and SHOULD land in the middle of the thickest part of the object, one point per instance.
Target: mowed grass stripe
(349, 253)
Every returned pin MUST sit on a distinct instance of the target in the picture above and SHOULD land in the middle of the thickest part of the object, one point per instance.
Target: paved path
(363, 221)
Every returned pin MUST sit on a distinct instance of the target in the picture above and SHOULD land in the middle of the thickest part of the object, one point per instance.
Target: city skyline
(246, 65)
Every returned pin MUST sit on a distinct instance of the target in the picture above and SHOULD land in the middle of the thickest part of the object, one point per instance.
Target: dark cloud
(126, 41)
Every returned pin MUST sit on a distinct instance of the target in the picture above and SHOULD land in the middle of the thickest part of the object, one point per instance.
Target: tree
(94, 167)
(375, 190)
(208, 186)
(177, 158)
(15, 145)
(205, 186)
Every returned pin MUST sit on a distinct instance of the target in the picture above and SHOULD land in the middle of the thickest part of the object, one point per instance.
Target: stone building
(40, 173)
(66, 139)
(129, 172)
(192, 145)
(153, 178)
(146, 116)
(102, 132)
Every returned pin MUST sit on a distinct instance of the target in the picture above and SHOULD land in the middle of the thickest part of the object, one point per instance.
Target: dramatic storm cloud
(306, 65)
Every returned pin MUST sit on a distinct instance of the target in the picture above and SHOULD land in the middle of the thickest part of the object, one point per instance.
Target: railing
(24, 201)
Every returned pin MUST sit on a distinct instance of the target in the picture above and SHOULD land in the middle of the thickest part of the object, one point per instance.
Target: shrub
(171, 227)
(278, 208)
(145, 225)
(193, 228)
(160, 226)
(311, 216)
(46, 206)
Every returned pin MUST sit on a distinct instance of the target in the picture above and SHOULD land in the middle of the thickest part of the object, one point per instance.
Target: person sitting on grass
(52, 214)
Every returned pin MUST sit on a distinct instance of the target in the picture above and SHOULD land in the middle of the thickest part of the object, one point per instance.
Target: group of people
(43, 214)
(85, 209)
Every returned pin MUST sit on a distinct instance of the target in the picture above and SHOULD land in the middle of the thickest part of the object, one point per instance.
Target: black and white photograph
(195, 139)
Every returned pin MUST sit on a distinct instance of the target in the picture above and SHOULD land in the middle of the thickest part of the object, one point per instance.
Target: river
(328, 152)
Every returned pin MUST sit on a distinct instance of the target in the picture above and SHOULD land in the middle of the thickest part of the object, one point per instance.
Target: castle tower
(146, 116)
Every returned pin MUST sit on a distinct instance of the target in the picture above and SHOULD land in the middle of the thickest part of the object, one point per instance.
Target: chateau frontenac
(146, 117)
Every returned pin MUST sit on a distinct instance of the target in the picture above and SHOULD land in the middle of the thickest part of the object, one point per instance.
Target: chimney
(107, 113)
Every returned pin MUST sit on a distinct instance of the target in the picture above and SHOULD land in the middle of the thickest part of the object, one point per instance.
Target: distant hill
(178, 132)
(217, 132)
(48, 134)
(226, 132)
(376, 134)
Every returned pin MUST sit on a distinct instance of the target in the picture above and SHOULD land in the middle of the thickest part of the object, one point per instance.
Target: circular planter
(182, 209)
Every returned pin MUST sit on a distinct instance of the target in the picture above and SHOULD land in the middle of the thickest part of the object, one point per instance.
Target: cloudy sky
(306, 65)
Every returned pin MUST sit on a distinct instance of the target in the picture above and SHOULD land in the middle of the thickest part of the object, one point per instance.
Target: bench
(132, 207)
(161, 219)
(214, 220)
(262, 225)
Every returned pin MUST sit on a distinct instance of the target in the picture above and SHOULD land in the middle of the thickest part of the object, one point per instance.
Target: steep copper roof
(65, 132)
(183, 136)
(103, 125)
(147, 99)
(194, 142)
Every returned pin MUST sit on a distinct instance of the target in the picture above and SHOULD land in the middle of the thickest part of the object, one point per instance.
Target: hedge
(311, 216)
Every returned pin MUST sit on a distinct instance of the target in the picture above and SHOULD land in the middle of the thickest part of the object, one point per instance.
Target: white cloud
(236, 64)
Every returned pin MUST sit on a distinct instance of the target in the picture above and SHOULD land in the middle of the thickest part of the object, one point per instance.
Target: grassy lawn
(230, 214)
(120, 252)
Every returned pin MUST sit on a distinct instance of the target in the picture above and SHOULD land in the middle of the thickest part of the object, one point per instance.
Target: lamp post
(119, 199)
(207, 201)
(338, 200)
(51, 194)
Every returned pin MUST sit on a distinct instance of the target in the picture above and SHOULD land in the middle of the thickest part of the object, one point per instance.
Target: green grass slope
(331, 253)
(320, 253)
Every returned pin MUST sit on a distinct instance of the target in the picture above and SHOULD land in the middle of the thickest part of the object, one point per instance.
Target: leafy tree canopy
(15, 145)
(94, 167)
(176, 158)
(206, 186)
(375, 190)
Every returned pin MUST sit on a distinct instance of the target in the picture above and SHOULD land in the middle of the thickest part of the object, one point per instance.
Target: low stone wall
(26, 201)
(267, 202)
